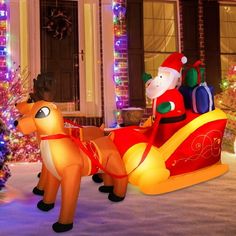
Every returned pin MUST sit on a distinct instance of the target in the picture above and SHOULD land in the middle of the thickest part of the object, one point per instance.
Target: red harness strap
(54, 136)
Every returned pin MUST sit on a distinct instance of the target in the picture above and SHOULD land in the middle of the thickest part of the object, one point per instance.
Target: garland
(58, 24)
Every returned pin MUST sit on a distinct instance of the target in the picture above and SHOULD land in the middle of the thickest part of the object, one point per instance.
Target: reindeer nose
(15, 123)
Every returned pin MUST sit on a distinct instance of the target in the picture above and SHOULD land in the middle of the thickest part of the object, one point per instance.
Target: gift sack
(202, 98)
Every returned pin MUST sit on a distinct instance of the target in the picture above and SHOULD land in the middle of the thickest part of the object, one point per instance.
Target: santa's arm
(165, 107)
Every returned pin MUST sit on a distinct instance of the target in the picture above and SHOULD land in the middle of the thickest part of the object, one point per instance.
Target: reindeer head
(42, 90)
(44, 118)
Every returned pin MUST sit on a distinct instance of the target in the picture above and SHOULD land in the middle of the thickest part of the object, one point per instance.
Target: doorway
(59, 50)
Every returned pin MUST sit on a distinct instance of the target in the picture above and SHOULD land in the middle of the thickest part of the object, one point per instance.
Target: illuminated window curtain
(160, 34)
(24, 41)
(92, 64)
(227, 38)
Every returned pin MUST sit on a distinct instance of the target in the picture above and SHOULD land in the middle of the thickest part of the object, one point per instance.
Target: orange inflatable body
(24, 107)
(84, 133)
(65, 163)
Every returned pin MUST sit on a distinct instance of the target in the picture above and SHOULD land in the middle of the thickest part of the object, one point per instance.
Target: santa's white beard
(158, 86)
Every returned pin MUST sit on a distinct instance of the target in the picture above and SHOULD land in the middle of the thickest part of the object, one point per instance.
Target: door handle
(81, 53)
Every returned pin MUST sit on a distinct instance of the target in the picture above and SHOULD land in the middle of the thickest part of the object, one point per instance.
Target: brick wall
(201, 31)
(121, 59)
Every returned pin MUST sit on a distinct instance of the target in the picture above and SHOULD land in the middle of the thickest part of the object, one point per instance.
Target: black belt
(173, 119)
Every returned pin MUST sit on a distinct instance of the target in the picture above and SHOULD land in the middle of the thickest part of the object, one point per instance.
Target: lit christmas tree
(13, 89)
(4, 152)
(227, 102)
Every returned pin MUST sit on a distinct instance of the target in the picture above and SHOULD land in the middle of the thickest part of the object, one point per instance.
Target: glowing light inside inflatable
(149, 173)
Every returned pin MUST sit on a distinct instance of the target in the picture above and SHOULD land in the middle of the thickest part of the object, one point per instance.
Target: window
(160, 33)
(227, 37)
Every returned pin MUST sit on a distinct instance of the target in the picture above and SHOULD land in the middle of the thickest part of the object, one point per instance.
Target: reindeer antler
(43, 88)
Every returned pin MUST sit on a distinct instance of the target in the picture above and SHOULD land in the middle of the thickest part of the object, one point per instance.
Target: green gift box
(194, 76)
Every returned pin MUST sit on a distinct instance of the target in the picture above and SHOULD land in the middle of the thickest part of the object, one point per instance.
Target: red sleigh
(190, 156)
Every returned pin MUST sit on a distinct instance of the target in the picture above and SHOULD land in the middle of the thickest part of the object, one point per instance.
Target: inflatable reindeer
(67, 161)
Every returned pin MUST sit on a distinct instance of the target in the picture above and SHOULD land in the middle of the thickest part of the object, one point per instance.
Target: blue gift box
(203, 98)
(200, 99)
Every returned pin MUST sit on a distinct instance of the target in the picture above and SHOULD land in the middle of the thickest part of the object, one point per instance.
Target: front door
(59, 49)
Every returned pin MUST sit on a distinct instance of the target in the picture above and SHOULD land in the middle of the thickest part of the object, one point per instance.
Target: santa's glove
(165, 107)
(146, 77)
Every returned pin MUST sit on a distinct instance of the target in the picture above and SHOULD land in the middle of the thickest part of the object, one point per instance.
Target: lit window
(160, 33)
(227, 38)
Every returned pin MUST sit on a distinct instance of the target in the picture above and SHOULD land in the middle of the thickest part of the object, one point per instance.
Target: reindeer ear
(54, 106)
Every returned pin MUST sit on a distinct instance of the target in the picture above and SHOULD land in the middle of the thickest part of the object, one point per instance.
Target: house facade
(97, 50)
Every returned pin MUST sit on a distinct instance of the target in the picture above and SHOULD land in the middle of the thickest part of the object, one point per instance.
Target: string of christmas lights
(226, 101)
(4, 133)
(120, 75)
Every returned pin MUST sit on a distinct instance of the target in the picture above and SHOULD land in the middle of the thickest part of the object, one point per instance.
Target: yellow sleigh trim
(168, 148)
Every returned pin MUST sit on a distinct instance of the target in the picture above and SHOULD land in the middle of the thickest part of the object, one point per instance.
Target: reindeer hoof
(114, 198)
(97, 179)
(39, 174)
(58, 227)
(37, 191)
(44, 206)
(106, 189)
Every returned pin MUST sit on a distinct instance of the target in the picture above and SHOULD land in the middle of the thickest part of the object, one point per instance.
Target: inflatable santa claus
(168, 102)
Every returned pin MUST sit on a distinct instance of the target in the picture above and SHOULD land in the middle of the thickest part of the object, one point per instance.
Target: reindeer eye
(43, 112)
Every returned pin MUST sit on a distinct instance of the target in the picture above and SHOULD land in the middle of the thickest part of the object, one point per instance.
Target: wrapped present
(194, 75)
(202, 98)
(197, 94)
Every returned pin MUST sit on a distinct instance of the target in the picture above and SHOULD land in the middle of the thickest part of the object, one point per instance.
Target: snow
(205, 209)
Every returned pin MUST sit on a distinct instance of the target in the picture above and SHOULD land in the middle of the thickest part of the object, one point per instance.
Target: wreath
(58, 24)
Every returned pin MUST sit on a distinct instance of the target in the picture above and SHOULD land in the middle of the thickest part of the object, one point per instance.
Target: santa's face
(162, 82)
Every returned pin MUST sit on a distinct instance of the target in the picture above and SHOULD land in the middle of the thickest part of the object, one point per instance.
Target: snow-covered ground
(205, 209)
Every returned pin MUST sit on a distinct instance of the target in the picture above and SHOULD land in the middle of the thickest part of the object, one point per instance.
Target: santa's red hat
(174, 63)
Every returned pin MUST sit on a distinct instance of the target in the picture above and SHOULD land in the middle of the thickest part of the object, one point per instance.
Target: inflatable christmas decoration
(66, 160)
(180, 147)
(43, 89)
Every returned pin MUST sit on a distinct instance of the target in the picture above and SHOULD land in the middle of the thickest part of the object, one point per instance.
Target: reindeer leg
(108, 184)
(50, 193)
(70, 186)
(39, 189)
(97, 178)
(119, 191)
(116, 165)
